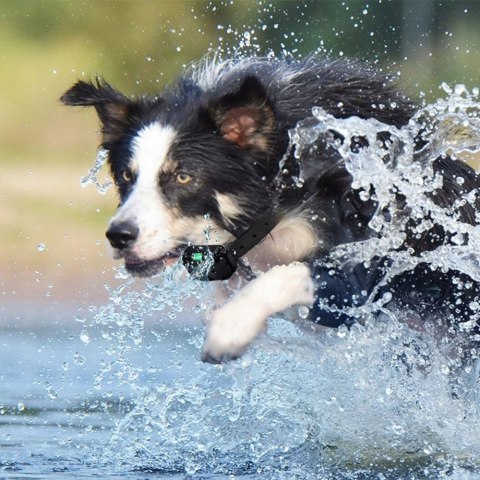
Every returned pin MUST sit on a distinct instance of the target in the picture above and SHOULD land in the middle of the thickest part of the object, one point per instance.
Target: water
(124, 395)
(373, 402)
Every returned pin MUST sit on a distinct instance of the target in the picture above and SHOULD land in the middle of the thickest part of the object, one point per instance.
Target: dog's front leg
(232, 327)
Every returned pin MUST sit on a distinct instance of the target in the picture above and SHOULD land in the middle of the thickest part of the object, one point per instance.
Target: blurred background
(53, 256)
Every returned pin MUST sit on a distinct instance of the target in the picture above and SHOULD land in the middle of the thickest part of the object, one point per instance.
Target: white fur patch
(150, 150)
(232, 327)
(228, 206)
(292, 240)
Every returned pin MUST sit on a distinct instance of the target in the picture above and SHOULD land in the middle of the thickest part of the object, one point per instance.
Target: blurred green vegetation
(139, 46)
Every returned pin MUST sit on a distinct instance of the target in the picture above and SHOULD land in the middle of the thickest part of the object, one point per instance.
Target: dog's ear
(245, 117)
(111, 105)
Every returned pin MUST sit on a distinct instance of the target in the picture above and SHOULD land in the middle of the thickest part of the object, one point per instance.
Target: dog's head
(189, 165)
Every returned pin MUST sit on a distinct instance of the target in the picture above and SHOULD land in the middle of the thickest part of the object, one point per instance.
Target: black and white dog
(202, 159)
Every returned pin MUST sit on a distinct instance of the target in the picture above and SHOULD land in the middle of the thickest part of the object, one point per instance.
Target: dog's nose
(122, 235)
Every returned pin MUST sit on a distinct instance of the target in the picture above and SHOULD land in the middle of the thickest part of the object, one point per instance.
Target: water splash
(92, 179)
(379, 399)
(450, 126)
(306, 405)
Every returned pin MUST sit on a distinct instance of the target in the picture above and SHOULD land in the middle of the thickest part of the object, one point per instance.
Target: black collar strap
(216, 262)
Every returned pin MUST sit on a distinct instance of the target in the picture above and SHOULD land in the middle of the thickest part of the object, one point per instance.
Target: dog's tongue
(169, 261)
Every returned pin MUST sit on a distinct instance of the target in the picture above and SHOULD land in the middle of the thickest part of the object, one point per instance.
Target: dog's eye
(127, 175)
(183, 178)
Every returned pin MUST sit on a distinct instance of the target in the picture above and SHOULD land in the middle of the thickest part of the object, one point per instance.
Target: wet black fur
(250, 173)
(343, 88)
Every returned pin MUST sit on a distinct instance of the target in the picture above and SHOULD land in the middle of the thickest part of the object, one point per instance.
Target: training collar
(216, 262)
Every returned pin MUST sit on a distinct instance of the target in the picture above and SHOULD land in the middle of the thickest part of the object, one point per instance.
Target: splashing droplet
(85, 337)
(79, 359)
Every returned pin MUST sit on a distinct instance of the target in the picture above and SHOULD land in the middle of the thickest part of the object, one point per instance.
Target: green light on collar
(197, 257)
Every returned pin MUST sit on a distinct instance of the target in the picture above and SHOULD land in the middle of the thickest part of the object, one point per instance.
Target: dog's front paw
(208, 356)
(220, 348)
(230, 330)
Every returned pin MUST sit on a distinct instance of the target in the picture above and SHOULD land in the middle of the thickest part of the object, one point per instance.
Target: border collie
(202, 159)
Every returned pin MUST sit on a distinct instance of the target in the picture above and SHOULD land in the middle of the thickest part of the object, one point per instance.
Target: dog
(202, 160)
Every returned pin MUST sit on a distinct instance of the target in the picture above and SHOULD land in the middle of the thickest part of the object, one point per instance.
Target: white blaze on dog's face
(144, 207)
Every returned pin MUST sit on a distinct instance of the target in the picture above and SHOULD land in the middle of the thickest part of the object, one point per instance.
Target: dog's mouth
(146, 268)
